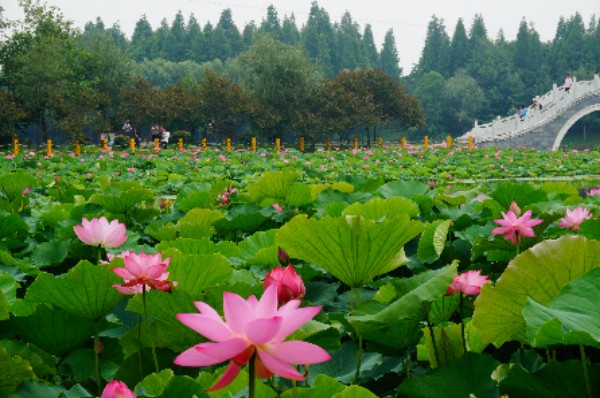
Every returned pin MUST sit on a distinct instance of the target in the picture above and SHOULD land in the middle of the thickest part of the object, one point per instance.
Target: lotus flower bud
(289, 285)
(283, 257)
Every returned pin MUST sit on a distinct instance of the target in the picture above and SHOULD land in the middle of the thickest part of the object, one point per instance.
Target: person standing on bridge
(568, 83)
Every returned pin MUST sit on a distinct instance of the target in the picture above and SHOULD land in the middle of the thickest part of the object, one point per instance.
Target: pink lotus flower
(117, 389)
(469, 283)
(26, 191)
(594, 191)
(289, 285)
(514, 227)
(253, 329)
(574, 218)
(99, 232)
(143, 271)
(277, 208)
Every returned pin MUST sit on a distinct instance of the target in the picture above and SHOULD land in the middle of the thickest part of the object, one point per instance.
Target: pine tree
(161, 40)
(194, 40)
(177, 40)
(227, 37)
(434, 56)
(388, 58)
(349, 47)
(318, 40)
(370, 48)
(459, 48)
(271, 24)
(289, 31)
(142, 40)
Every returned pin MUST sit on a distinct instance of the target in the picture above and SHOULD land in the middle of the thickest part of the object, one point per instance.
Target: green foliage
(538, 274)
(352, 248)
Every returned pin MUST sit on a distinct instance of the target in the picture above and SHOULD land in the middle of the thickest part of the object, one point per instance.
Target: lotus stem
(251, 376)
(360, 340)
(586, 375)
(97, 357)
(462, 323)
(435, 354)
(149, 330)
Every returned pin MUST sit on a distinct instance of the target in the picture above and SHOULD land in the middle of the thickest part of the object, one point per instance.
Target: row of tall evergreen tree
(333, 46)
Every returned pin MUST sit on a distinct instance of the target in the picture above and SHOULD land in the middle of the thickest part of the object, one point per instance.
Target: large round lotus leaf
(539, 273)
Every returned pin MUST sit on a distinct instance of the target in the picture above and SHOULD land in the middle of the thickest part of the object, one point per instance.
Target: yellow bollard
(403, 142)
(329, 143)
(180, 145)
(253, 144)
(48, 147)
(449, 141)
(470, 142)
(103, 144)
(355, 142)
(379, 141)
(277, 144)
(203, 144)
(228, 144)
(302, 144)
(426, 141)
(132, 144)
(77, 147)
(156, 145)
(16, 146)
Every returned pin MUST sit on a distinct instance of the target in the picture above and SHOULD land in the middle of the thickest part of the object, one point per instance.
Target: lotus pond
(439, 272)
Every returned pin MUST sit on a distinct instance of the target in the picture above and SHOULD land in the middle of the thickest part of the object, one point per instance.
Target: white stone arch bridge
(543, 128)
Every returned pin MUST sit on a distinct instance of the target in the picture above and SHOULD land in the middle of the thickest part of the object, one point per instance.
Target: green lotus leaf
(448, 344)
(555, 380)
(13, 371)
(272, 184)
(155, 383)
(539, 273)
(433, 239)
(354, 249)
(407, 189)
(322, 386)
(355, 391)
(42, 363)
(13, 184)
(54, 330)
(573, 317)
(241, 217)
(166, 330)
(200, 246)
(299, 195)
(342, 365)
(12, 225)
(378, 208)
(196, 272)
(124, 201)
(590, 229)
(86, 290)
(50, 253)
(398, 323)
(250, 246)
(523, 194)
(468, 376)
(237, 388)
(198, 223)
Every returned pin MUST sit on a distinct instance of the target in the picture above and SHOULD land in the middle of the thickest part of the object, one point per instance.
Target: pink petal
(261, 331)
(155, 271)
(238, 313)
(229, 375)
(298, 352)
(123, 273)
(206, 354)
(207, 326)
(292, 323)
(279, 367)
(267, 305)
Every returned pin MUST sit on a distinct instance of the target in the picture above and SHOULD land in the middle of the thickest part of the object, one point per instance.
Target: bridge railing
(554, 103)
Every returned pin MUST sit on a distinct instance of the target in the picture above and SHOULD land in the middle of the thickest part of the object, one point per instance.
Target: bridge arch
(571, 121)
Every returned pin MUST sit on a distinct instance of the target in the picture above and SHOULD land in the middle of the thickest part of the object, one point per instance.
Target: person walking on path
(568, 83)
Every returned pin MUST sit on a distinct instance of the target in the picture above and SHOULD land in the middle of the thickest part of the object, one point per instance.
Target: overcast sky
(409, 22)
